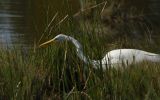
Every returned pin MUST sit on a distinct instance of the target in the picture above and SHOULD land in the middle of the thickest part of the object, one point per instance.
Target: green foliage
(56, 72)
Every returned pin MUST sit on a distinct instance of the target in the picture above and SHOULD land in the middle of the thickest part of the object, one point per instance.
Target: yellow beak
(45, 43)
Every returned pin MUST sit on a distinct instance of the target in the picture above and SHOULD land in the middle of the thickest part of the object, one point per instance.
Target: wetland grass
(55, 72)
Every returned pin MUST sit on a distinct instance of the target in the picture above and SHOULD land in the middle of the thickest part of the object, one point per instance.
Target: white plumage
(126, 57)
(113, 58)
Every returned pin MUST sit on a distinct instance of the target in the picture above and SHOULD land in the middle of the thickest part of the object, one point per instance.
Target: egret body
(113, 58)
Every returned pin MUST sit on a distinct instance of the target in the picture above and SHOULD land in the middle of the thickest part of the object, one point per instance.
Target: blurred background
(24, 22)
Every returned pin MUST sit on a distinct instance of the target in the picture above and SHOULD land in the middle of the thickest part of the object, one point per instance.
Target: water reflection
(20, 25)
(13, 29)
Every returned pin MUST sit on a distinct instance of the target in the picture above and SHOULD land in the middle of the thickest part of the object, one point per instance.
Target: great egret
(113, 58)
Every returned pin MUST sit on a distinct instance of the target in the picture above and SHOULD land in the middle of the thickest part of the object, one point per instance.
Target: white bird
(114, 58)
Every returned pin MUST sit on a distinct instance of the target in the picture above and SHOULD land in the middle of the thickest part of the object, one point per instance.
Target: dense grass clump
(51, 73)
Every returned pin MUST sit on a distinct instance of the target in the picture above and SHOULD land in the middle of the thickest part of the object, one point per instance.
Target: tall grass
(55, 72)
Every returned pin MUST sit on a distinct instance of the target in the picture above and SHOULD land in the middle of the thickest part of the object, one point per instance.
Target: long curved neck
(80, 54)
(78, 49)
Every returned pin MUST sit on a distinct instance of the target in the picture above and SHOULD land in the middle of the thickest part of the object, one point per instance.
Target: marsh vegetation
(55, 71)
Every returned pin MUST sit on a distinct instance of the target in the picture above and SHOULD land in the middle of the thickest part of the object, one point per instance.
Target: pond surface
(18, 21)
(20, 18)
(14, 26)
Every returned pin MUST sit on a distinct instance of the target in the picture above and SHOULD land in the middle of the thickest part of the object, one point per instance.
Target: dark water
(22, 22)
(14, 23)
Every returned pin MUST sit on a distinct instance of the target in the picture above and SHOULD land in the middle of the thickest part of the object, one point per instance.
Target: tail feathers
(155, 58)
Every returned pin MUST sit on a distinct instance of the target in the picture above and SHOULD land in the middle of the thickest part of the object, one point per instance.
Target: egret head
(58, 38)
